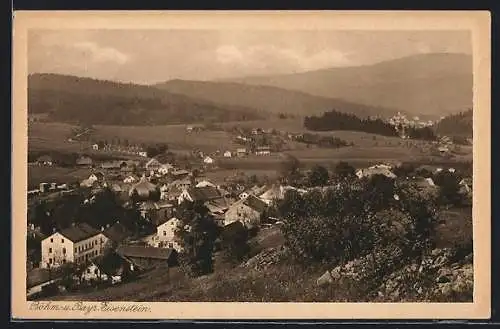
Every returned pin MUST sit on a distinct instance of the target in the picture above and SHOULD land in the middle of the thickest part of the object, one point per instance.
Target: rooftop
(145, 252)
(79, 232)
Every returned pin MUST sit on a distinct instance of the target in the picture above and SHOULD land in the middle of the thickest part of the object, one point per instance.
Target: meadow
(367, 149)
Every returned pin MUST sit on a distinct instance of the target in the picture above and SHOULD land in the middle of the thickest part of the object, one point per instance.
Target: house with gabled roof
(148, 257)
(248, 211)
(203, 194)
(78, 243)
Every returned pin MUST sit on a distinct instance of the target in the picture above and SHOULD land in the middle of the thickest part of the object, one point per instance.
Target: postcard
(251, 165)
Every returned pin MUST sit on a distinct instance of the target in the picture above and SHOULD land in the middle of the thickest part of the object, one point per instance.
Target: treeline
(322, 141)
(74, 99)
(335, 120)
(456, 124)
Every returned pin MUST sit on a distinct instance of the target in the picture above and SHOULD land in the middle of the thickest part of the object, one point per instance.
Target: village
(82, 255)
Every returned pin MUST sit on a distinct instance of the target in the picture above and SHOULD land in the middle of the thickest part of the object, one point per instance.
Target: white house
(263, 150)
(166, 234)
(241, 152)
(204, 183)
(227, 154)
(143, 154)
(76, 244)
(108, 267)
(165, 169)
(95, 147)
(208, 160)
(130, 179)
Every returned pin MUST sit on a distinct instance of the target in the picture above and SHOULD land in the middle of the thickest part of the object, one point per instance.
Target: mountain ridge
(426, 84)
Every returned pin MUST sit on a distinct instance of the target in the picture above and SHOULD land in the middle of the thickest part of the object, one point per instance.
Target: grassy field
(367, 149)
(40, 174)
(219, 176)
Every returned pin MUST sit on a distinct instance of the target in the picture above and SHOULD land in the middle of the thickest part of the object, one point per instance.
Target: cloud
(271, 56)
(101, 54)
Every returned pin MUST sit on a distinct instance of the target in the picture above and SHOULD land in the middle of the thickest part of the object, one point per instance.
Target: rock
(445, 272)
(446, 289)
(325, 279)
(443, 279)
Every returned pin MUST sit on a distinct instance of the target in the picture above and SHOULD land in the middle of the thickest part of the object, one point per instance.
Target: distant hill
(76, 99)
(270, 99)
(427, 84)
(456, 125)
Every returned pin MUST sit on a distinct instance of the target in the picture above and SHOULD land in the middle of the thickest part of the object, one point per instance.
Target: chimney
(102, 228)
(54, 230)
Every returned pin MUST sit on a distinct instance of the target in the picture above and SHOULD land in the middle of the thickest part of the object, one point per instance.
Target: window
(170, 245)
(76, 250)
(50, 250)
(50, 260)
(96, 271)
(62, 240)
(164, 233)
(51, 240)
(64, 251)
(88, 270)
(64, 261)
(101, 241)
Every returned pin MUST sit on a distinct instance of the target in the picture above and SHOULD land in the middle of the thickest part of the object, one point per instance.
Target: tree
(318, 176)
(235, 242)
(290, 170)
(197, 232)
(449, 188)
(344, 170)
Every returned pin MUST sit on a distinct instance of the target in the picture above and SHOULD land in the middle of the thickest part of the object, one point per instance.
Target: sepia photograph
(261, 158)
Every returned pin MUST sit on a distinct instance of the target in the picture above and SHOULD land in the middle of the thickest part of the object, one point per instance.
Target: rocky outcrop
(438, 276)
(265, 258)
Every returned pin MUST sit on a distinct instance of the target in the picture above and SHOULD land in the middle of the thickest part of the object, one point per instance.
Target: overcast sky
(148, 56)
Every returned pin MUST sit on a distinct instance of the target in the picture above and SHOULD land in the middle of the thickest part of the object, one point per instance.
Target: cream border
(476, 21)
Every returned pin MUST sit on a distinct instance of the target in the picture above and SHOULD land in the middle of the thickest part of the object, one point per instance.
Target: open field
(41, 174)
(219, 176)
(367, 149)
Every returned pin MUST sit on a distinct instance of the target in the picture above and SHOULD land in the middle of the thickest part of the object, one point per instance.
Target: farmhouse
(144, 190)
(109, 267)
(130, 179)
(153, 165)
(165, 169)
(206, 193)
(248, 211)
(166, 234)
(263, 150)
(75, 244)
(148, 257)
(204, 183)
(208, 160)
(241, 152)
(45, 160)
